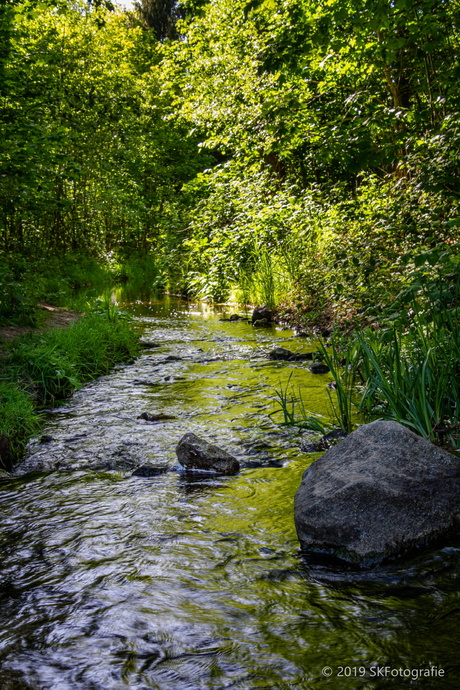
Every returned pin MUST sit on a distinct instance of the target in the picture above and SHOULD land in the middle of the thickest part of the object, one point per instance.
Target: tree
(160, 16)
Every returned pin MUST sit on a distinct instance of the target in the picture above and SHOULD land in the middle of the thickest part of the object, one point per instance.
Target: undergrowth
(403, 371)
(41, 368)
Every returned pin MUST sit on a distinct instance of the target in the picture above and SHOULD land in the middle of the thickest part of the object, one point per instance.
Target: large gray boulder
(383, 491)
(195, 454)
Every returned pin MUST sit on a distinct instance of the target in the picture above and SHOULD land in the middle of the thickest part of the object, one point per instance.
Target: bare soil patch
(56, 317)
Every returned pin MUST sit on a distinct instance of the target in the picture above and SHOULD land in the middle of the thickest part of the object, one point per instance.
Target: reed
(294, 410)
(411, 373)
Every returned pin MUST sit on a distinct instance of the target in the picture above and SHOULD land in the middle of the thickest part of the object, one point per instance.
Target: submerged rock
(150, 470)
(46, 438)
(380, 493)
(160, 417)
(319, 368)
(303, 356)
(283, 354)
(324, 443)
(280, 354)
(195, 454)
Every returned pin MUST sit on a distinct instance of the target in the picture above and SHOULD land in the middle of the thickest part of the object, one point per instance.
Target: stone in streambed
(262, 315)
(318, 368)
(280, 354)
(160, 417)
(196, 454)
(382, 492)
(283, 354)
(150, 470)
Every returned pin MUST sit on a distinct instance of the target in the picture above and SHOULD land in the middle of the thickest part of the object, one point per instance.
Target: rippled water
(112, 581)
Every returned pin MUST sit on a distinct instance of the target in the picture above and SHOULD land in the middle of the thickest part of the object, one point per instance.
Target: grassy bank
(403, 371)
(41, 368)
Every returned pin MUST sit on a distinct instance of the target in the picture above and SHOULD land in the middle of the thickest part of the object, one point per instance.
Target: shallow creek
(112, 581)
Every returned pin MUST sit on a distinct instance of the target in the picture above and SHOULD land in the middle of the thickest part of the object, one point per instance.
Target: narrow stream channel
(111, 581)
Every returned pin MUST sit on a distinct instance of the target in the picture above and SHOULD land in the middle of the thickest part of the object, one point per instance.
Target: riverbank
(42, 367)
(55, 317)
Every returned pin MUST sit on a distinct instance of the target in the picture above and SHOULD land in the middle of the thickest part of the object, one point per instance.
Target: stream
(111, 581)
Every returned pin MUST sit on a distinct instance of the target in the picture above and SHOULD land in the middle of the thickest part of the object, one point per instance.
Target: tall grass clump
(18, 421)
(344, 361)
(294, 410)
(41, 368)
(405, 371)
(411, 374)
(54, 363)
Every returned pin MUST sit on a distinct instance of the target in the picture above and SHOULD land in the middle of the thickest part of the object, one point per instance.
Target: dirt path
(56, 317)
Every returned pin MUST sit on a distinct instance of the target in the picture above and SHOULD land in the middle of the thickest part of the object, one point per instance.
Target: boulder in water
(263, 314)
(382, 492)
(195, 454)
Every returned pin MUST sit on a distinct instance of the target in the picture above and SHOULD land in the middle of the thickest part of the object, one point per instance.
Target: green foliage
(18, 422)
(54, 363)
(141, 270)
(301, 152)
(90, 158)
(409, 371)
(17, 303)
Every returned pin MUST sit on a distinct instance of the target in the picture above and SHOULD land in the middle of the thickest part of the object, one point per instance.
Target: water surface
(112, 581)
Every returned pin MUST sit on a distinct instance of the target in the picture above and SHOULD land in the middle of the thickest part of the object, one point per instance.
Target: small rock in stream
(160, 417)
(150, 470)
(319, 368)
(280, 354)
(138, 382)
(196, 454)
(283, 354)
(148, 345)
(46, 438)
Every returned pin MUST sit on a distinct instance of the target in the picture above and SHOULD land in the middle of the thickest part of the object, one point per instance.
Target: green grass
(411, 374)
(18, 422)
(406, 371)
(295, 413)
(43, 367)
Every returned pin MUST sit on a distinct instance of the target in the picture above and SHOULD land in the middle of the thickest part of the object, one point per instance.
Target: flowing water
(111, 581)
